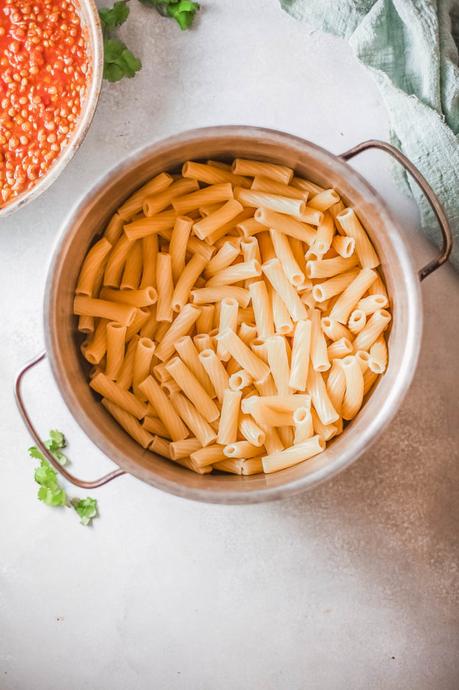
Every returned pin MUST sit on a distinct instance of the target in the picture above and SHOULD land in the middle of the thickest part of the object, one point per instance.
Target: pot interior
(89, 219)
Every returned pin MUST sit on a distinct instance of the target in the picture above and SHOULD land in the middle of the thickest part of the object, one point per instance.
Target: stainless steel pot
(90, 22)
(309, 160)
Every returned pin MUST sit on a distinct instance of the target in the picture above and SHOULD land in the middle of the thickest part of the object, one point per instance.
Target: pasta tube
(377, 323)
(132, 271)
(215, 371)
(211, 174)
(149, 226)
(155, 426)
(283, 324)
(336, 386)
(149, 254)
(276, 276)
(323, 200)
(142, 361)
(300, 355)
(208, 195)
(293, 455)
(327, 268)
(368, 305)
(343, 245)
(164, 309)
(125, 374)
(155, 203)
(284, 253)
(319, 396)
(251, 431)
(229, 251)
(113, 311)
(228, 424)
(280, 173)
(351, 225)
(241, 450)
(180, 327)
(116, 334)
(97, 344)
(357, 321)
(340, 348)
(92, 266)
(215, 294)
(378, 356)
(243, 355)
(219, 218)
(208, 456)
(262, 309)
(348, 299)
(333, 286)
(163, 408)
(134, 203)
(137, 298)
(113, 392)
(187, 279)
(353, 396)
(265, 184)
(235, 274)
(319, 355)
(116, 260)
(193, 389)
(189, 354)
(285, 224)
(194, 420)
(178, 245)
(129, 423)
(228, 319)
(184, 448)
(278, 363)
(335, 330)
(280, 204)
(302, 421)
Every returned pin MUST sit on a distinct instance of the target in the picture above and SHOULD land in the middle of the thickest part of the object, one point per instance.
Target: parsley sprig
(119, 61)
(50, 491)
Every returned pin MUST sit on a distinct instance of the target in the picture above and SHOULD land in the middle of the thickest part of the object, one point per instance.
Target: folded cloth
(410, 47)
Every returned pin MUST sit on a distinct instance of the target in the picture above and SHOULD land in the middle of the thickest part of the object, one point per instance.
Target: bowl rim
(377, 423)
(95, 38)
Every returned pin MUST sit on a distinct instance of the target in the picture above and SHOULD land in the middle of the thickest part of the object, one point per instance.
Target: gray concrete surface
(351, 587)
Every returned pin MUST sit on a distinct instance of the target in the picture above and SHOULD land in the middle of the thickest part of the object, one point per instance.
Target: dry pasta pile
(233, 316)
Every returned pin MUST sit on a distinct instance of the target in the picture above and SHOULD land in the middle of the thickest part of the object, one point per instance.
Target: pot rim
(376, 424)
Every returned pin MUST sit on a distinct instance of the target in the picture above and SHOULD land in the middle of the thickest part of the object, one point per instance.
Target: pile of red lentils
(43, 78)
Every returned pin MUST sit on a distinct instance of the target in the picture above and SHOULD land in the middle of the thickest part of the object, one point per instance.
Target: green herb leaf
(112, 17)
(119, 62)
(35, 453)
(183, 11)
(86, 509)
(58, 438)
(50, 492)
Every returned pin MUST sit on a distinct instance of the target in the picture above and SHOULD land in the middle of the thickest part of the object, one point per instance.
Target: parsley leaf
(111, 17)
(50, 492)
(54, 445)
(119, 62)
(183, 11)
(86, 509)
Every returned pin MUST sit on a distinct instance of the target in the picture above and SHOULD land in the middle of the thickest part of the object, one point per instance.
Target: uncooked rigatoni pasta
(234, 317)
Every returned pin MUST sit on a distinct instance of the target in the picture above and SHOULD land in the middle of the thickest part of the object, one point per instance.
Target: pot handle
(33, 432)
(426, 188)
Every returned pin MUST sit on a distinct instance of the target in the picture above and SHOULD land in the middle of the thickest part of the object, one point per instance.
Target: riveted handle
(83, 484)
(431, 197)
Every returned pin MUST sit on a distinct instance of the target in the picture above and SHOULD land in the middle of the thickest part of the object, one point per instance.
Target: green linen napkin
(410, 47)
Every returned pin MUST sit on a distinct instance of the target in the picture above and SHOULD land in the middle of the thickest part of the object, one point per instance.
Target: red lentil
(43, 78)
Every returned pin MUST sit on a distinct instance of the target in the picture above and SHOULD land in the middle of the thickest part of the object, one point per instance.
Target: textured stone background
(349, 587)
